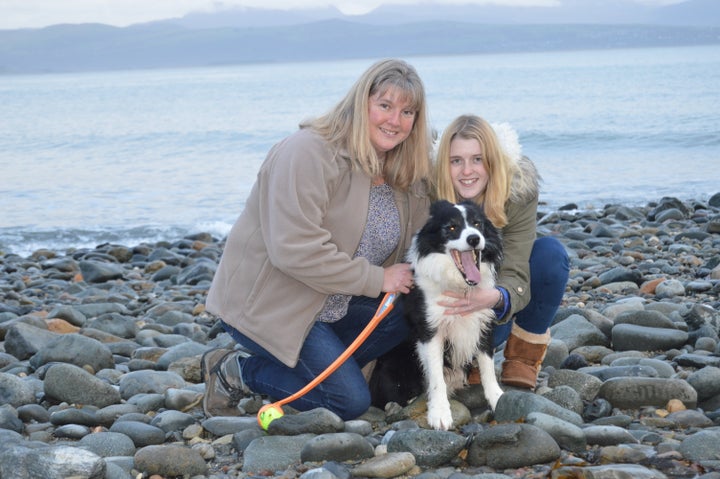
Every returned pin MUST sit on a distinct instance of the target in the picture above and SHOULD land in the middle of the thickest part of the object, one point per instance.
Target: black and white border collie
(456, 250)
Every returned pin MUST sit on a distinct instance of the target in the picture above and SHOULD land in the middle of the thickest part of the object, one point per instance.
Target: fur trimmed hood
(526, 179)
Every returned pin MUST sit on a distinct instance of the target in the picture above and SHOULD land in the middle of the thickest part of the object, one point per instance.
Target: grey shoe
(224, 386)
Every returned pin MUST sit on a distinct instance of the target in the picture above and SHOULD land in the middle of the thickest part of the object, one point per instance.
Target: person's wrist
(500, 303)
(501, 307)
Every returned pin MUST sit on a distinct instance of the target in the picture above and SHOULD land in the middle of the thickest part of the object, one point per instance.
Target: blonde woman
(479, 162)
(322, 236)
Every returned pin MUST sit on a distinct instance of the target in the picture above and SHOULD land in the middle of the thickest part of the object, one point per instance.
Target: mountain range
(689, 12)
(246, 35)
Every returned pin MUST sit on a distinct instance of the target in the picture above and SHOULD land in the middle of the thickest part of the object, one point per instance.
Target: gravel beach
(100, 370)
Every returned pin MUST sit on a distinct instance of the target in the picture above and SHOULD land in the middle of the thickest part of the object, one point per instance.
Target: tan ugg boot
(473, 376)
(524, 354)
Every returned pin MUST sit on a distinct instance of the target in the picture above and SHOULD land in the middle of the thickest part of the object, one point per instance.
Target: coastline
(641, 307)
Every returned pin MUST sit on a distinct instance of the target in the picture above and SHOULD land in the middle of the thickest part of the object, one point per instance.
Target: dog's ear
(493, 238)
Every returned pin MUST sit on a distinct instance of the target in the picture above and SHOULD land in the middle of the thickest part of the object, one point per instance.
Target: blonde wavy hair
(346, 125)
(501, 169)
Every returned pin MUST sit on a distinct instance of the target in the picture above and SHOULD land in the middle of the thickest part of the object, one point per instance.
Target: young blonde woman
(322, 236)
(478, 162)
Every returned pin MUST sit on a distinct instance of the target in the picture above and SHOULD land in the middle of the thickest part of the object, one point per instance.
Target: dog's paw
(493, 396)
(440, 418)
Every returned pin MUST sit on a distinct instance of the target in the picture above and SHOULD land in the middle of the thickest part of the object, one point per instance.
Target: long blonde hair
(499, 166)
(346, 125)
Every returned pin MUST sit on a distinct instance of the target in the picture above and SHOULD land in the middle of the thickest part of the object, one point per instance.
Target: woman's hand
(474, 299)
(398, 278)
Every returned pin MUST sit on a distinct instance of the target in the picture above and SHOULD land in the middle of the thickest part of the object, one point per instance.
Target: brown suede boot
(524, 354)
(473, 376)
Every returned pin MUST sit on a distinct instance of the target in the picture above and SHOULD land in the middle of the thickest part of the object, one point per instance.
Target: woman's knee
(353, 403)
(550, 248)
(549, 257)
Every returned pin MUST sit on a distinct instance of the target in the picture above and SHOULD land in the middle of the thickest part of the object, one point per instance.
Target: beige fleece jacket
(293, 244)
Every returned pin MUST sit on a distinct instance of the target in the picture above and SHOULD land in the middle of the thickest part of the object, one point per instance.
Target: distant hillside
(65, 48)
(596, 12)
(689, 12)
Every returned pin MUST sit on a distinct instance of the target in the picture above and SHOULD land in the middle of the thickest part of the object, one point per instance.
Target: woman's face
(467, 171)
(391, 120)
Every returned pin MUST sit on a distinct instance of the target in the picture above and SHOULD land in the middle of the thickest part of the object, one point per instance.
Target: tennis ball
(268, 414)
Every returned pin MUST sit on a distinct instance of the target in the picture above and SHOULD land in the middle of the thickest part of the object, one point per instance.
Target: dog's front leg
(431, 358)
(491, 388)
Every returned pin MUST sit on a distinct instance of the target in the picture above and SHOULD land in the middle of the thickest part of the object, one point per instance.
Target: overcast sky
(40, 13)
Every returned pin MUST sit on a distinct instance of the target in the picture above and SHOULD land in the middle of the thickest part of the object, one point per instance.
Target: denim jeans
(549, 270)
(345, 392)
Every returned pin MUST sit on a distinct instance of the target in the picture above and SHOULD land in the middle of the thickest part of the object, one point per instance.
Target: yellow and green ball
(268, 414)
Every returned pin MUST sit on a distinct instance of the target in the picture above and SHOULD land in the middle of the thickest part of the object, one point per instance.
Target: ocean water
(133, 156)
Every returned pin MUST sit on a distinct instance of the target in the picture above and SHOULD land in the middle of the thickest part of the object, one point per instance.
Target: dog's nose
(473, 240)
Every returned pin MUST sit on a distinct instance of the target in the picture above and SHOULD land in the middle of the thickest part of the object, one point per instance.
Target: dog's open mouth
(467, 264)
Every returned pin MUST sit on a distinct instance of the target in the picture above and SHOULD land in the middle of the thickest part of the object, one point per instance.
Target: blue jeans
(549, 270)
(345, 392)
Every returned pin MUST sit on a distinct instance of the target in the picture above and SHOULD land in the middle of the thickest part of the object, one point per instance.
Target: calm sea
(135, 156)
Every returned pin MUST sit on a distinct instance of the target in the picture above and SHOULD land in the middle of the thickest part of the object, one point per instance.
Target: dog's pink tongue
(472, 273)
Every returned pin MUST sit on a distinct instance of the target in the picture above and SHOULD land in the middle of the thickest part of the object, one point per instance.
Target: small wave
(219, 229)
(24, 242)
